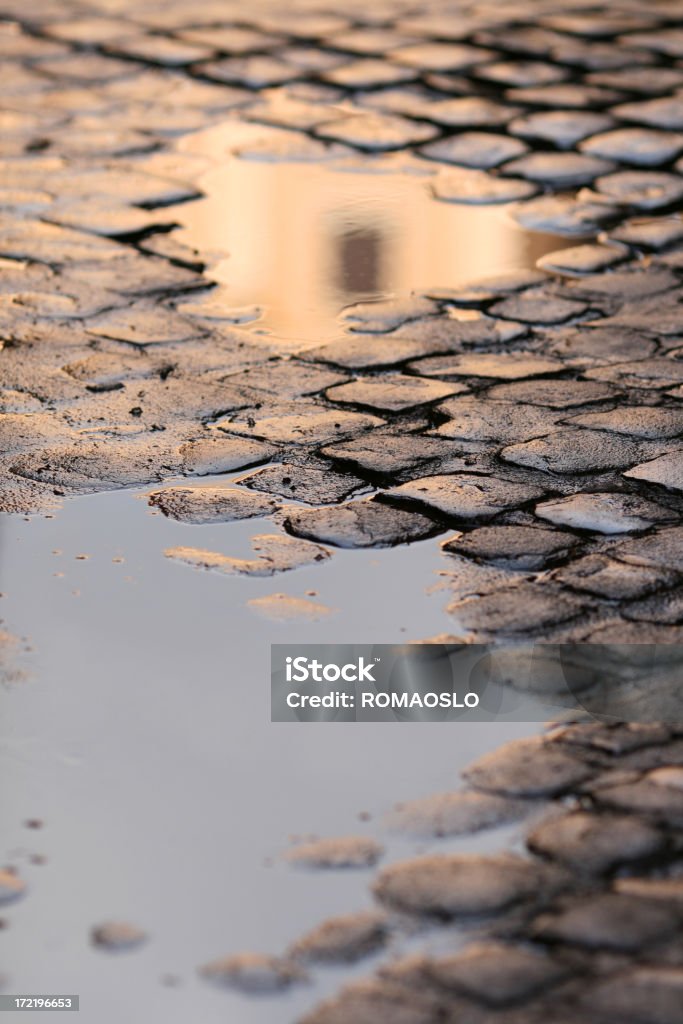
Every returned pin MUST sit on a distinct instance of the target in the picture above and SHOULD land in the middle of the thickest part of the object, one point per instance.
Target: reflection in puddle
(302, 240)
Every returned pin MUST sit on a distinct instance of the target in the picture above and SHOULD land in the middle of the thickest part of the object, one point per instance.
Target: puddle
(142, 739)
(301, 240)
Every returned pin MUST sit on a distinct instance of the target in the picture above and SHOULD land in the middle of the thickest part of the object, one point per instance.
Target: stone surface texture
(532, 421)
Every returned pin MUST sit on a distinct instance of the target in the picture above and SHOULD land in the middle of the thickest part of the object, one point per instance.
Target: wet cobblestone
(532, 421)
(592, 905)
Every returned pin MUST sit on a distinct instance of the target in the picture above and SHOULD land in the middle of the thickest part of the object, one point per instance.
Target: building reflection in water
(360, 261)
(302, 240)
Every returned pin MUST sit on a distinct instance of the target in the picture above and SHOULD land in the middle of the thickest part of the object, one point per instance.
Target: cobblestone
(497, 406)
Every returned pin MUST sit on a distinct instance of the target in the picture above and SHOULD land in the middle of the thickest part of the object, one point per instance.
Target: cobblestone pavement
(537, 415)
(584, 924)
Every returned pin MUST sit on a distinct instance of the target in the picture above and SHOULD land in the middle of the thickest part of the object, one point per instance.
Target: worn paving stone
(384, 316)
(231, 39)
(342, 940)
(527, 768)
(657, 549)
(462, 578)
(344, 852)
(53, 244)
(155, 404)
(454, 814)
(522, 73)
(611, 921)
(409, 100)
(210, 308)
(219, 453)
(646, 81)
(376, 1001)
(450, 334)
(369, 73)
(574, 451)
(648, 422)
(252, 973)
(476, 420)
(105, 370)
(469, 112)
(117, 936)
(657, 802)
(496, 974)
(565, 215)
(615, 738)
(317, 486)
(100, 218)
(563, 128)
(533, 308)
(631, 281)
(354, 353)
(473, 187)
(666, 608)
(642, 146)
(666, 470)
(202, 503)
(387, 454)
(459, 885)
(288, 379)
(581, 259)
(257, 71)
(86, 69)
(646, 993)
(570, 95)
(376, 131)
(514, 547)
(274, 554)
(155, 49)
(613, 580)
(496, 365)
(359, 524)
(559, 170)
(95, 466)
(392, 394)
(642, 190)
(639, 316)
(595, 844)
(297, 423)
(450, 57)
(646, 373)
(664, 112)
(142, 325)
(608, 513)
(465, 495)
(523, 608)
(287, 111)
(655, 233)
(639, 633)
(480, 150)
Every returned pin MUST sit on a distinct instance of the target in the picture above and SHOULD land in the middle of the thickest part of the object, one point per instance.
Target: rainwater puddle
(301, 240)
(142, 740)
(142, 736)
